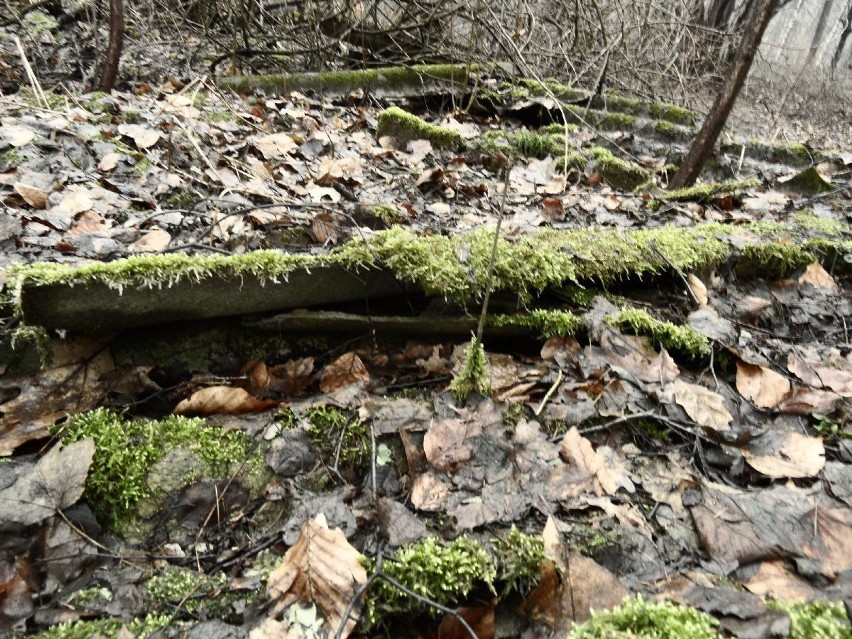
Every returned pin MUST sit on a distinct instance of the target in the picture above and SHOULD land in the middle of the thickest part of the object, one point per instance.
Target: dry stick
(489, 280)
(31, 76)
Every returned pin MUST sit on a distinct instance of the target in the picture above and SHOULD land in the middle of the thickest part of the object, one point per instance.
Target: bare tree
(703, 144)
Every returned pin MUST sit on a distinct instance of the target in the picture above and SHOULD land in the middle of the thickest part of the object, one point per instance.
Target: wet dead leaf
(815, 275)
(273, 145)
(789, 454)
(607, 469)
(143, 136)
(815, 374)
(449, 442)
(322, 568)
(479, 619)
(704, 406)
(760, 385)
(55, 482)
(699, 290)
(221, 400)
(153, 241)
(34, 196)
(346, 370)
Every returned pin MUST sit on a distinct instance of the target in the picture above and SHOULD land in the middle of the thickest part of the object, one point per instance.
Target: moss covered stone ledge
(157, 289)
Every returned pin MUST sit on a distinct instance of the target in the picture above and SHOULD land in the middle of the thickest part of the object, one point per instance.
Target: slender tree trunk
(109, 71)
(702, 146)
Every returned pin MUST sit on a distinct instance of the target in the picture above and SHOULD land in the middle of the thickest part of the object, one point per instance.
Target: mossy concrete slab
(95, 306)
(423, 79)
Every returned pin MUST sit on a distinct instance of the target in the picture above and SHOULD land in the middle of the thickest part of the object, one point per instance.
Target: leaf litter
(635, 465)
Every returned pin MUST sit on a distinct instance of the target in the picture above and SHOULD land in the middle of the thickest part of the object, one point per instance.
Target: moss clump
(816, 620)
(142, 167)
(141, 627)
(403, 127)
(673, 337)
(775, 259)
(638, 619)
(665, 129)
(519, 558)
(521, 143)
(703, 192)
(180, 586)
(126, 449)
(672, 113)
(548, 323)
(10, 159)
(550, 86)
(182, 199)
(616, 121)
(474, 376)
(617, 172)
(559, 129)
(388, 214)
(342, 439)
(442, 573)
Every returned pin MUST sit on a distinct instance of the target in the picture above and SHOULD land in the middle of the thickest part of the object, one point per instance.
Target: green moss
(618, 172)
(141, 628)
(125, 450)
(616, 121)
(10, 159)
(518, 557)
(474, 376)
(190, 589)
(346, 81)
(816, 620)
(444, 573)
(388, 213)
(342, 439)
(220, 116)
(182, 199)
(638, 619)
(672, 113)
(775, 259)
(702, 192)
(521, 143)
(37, 22)
(548, 323)
(142, 167)
(54, 100)
(673, 337)
(559, 129)
(96, 102)
(131, 116)
(665, 128)
(403, 127)
(552, 87)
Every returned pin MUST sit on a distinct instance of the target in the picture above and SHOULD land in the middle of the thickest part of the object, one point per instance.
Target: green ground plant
(639, 619)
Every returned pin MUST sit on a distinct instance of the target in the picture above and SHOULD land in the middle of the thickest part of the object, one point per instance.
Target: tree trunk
(703, 144)
(109, 71)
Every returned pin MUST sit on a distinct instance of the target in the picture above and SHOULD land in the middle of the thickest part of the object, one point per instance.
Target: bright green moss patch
(141, 628)
(816, 620)
(444, 573)
(342, 439)
(126, 449)
(552, 87)
(673, 337)
(474, 376)
(180, 586)
(672, 113)
(403, 127)
(548, 323)
(706, 191)
(618, 172)
(639, 619)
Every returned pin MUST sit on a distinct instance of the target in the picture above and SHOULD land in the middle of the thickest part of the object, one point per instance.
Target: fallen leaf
(143, 136)
(109, 162)
(154, 241)
(449, 442)
(16, 135)
(273, 145)
(55, 482)
(322, 568)
(603, 465)
(35, 197)
(227, 400)
(346, 370)
(704, 406)
(789, 454)
(760, 385)
(815, 275)
(819, 376)
(699, 290)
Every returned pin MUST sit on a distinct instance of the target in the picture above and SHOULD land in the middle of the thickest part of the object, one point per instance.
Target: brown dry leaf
(346, 370)
(480, 620)
(258, 379)
(273, 145)
(760, 385)
(16, 135)
(87, 222)
(73, 384)
(55, 482)
(818, 277)
(322, 194)
(790, 455)
(292, 377)
(34, 196)
(109, 162)
(335, 170)
(430, 491)
(778, 580)
(226, 400)
(633, 354)
(570, 587)
(819, 376)
(153, 241)
(607, 469)
(449, 442)
(143, 136)
(324, 229)
(704, 406)
(698, 289)
(322, 568)
(75, 200)
(805, 401)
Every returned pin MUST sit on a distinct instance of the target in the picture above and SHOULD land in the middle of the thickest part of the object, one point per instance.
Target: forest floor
(669, 373)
